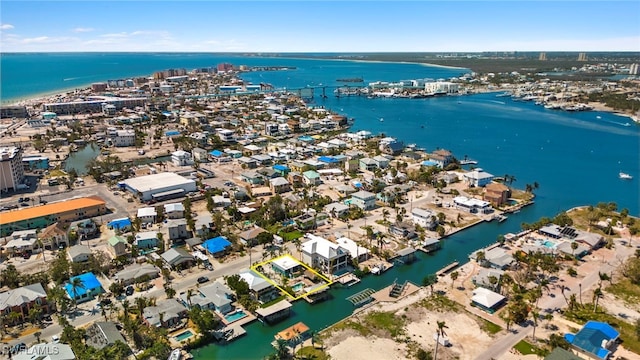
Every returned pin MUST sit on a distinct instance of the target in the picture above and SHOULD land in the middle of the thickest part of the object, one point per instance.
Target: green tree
(440, 333)
(454, 276)
(170, 292)
(430, 280)
(10, 277)
(76, 284)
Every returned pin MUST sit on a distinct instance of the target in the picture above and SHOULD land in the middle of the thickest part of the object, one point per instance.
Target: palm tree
(37, 334)
(189, 294)
(454, 276)
(430, 280)
(298, 245)
(535, 315)
(76, 284)
(597, 294)
(282, 351)
(385, 214)
(440, 332)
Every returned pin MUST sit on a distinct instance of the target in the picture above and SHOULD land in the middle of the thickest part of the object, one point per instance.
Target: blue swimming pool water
(184, 335)
(235, 316)
(297, 287)
(549, 244)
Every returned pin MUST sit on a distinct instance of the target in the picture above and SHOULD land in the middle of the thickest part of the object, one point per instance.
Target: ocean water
(575, 157)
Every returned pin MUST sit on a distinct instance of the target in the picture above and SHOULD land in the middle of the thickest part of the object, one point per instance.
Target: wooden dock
(348, 279)
(446, 269)
(361, 298)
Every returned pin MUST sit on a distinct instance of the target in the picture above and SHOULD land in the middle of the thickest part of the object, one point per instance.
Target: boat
(176, 354)
(625, 176)
(598, 117)
(381, 119)
(359, 80)
(468, 162)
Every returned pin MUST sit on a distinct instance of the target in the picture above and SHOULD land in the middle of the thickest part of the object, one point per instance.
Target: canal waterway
(78, 160)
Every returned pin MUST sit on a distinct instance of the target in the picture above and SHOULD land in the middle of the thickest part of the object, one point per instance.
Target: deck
(361, 298)
(446, 269)
(348, 279)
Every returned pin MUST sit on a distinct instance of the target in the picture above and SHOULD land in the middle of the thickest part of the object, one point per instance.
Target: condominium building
(11, 168)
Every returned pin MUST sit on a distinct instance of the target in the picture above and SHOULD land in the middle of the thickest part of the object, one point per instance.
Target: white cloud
(82, 30)
(6, 27)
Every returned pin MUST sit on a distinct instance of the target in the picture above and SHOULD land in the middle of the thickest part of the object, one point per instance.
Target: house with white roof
(472, 205)
(174, 210)
(364, 199)
(477, 178)
(424, 218)
(215, 296)
(323, 254)
(260, 289)
(357, 252)
(147, 215)
(181, 158)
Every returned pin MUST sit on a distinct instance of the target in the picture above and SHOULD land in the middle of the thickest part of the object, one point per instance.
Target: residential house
(472, 205)
(102, 334)
(135, 273)
(344, 190)
(498, 258)
(147, 215)
(252, 178)
(393, 148)
(181, 158)
(53, 237)
(282, 170)
(286, 266)
(488, 278)
(167, 313)
(174, 211)
(177, 258)
(248, 162)
(591, 240)
(215, 296)
(117, 246)
(260, 289)
(441, 157)
(322, 254)
(90, 288)
(487, 300)
(423, 217)
(21, 300)
(367, 164)
(311, 177)
(217, 246)
(79, 253)
(336, 209)
(279, 185)
(178, 229)
(497, 194)
(87, 229)
(364, 200)
(250, 237)
(477, 178)
(295, 178)
(311, 220)
(146, 240)
(381, 161)
(121, 225)
(596, 340)
(356, 252)
(200, 155)
(403, 230)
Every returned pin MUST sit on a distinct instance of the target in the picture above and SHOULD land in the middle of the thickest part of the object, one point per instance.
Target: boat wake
(497, 102)
(619, 123)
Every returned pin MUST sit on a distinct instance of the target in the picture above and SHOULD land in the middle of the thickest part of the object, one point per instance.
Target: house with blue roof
(217, 246)
(89, 289)
(595, 340)
(282, 170)
(123, 224)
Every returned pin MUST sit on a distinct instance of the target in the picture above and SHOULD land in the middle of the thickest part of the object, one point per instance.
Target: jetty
(230, 333)
(348, 279)
(448, 268)
(361, 298)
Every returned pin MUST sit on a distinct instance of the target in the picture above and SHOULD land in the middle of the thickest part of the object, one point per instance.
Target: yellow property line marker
(291, 296)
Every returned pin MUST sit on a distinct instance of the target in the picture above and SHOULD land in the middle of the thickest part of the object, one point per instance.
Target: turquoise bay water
(575, 157)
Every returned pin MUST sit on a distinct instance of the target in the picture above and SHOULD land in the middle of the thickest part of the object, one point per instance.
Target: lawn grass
(625, 290)
(292, 235)
(627, 330)
(309, 352)
(277, 300)
(489, 327)
(350, 324)
(440, 303)
(387, 321)
(525, 348)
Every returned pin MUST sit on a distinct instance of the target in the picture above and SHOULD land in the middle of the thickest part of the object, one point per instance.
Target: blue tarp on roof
(89, 282)
(172, 133)
(119, 223)
(216, 153)
(305, 138)
(216, 244)
(327, 159)
(590, 338)
(280, 167)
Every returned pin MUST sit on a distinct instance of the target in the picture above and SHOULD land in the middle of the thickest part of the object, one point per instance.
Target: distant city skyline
(319, 26)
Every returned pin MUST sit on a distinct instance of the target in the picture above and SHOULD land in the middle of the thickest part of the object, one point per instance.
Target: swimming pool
(549, 244)
(298, 287)
(235, 316)
(183, 335)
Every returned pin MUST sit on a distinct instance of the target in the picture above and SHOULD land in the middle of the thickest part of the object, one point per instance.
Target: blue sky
(319, 26)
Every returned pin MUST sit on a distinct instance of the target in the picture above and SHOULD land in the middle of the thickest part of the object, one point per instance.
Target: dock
(348, 279)
(362, 298)
(230, 333)
(446, 269)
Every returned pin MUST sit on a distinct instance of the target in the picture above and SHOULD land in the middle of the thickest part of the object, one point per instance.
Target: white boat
(176, 354)
(381, 119)
(468, 162)
(625, 176)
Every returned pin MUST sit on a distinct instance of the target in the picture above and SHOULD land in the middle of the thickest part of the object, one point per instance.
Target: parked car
(129, 291)
(55, 339)
(202, 279)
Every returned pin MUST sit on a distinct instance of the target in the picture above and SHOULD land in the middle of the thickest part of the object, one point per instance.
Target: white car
(55, 339)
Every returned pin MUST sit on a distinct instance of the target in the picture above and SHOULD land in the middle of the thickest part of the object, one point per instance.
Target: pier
(361, 298)
(446, 269)
(348, 279)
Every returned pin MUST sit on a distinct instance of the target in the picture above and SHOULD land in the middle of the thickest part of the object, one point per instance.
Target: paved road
(505, 343)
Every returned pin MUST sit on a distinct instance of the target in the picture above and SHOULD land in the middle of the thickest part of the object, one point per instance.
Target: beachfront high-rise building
(582, 57)
(543, 56)
(633, 69)
(11, 169)
(224, 67)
